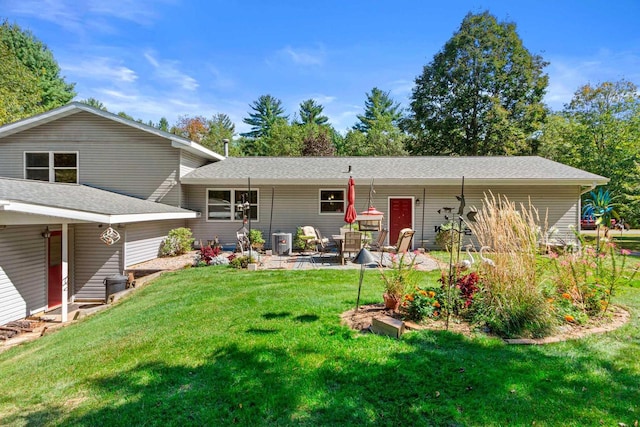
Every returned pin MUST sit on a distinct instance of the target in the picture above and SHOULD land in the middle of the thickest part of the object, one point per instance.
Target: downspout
(588, 188)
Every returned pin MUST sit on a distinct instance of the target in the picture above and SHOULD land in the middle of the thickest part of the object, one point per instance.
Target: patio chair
(309, 237)
(352, 243)
(403, 244)
(324, 244)
(379, 243)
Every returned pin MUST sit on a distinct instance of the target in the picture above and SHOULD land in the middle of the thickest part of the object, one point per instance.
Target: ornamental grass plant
(510, 301)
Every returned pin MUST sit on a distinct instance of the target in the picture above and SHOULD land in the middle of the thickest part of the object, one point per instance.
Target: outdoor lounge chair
(309, 237)
(379, 243)
(403, 244)
(324, 244)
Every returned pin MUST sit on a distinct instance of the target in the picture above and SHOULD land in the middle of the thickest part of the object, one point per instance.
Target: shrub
(447, 237)
(583, 282)
(238, 261)
(256, 238)
(219, 260)
(177, 242)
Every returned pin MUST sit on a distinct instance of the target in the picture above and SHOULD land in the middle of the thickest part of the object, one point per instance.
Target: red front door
(400, 216)
(54, 289)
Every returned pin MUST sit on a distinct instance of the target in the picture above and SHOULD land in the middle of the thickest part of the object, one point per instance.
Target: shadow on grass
(279, 315)
(432, 378)
(306, 318)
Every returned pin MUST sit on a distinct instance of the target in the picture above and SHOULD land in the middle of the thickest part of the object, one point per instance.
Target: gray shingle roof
(80, 198)
(293, 170)
(75, 107)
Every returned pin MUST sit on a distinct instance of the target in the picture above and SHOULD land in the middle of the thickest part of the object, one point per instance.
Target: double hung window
(332, 201)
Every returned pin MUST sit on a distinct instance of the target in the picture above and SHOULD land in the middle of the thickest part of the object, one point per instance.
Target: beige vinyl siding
(558, 204)
(94, 261)
(144, 239)
(23, 278)
(111, 156)
(190, 162)
(299, 205)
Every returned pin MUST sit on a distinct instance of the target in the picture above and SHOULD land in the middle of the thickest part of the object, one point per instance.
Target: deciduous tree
(599, 131)
(38, 59)
(19, 92)
(481, 95)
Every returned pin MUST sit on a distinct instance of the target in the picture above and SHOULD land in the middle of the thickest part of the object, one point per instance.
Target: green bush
(448, 234)
(177, 242)
(256, 238)
(516, 313)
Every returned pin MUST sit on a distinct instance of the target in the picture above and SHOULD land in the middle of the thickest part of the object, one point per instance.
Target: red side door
(400, 216)
(54, 288)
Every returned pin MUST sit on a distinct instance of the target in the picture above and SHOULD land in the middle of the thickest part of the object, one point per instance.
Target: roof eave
(76, 107)
(83, 216)
(403, 181)
(195, 148)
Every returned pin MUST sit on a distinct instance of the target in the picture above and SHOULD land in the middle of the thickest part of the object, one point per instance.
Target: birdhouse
(370, 220)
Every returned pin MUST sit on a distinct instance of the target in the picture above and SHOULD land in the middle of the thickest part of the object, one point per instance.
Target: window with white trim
(51, 166)
(228, 205)
(332, 201)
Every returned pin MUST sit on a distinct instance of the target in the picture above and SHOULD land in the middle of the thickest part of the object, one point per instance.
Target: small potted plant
(397, 279)
(257, 241)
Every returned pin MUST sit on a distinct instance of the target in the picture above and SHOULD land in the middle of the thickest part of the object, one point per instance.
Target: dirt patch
(361, 321)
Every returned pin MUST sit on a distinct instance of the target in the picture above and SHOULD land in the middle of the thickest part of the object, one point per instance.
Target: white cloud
(168, 71)
(323, 99)
(402, 88)
(84, 16)
(110, 93)
(100, 68)
(149, 57)
(301, 56)
(220, 80)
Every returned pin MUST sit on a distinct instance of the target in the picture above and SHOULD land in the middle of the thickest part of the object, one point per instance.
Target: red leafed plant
(468, 285)
(207, 253)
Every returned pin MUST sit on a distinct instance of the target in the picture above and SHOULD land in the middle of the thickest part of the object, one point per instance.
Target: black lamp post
(363, 258)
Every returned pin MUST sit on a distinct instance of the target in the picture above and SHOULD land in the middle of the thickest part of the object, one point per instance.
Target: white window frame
(52, 168)
(236, 195)
(320, 201)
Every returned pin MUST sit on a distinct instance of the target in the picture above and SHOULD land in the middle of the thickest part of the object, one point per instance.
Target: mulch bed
(361, 321)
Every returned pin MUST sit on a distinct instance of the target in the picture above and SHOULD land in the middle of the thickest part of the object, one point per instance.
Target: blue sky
(175, 57)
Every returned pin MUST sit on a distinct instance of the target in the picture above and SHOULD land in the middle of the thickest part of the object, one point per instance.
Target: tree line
(481, 94)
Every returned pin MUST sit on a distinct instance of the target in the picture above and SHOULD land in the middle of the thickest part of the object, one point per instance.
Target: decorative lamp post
(363, 258)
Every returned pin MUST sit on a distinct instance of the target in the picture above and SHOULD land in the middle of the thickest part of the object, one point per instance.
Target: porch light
(46, 233)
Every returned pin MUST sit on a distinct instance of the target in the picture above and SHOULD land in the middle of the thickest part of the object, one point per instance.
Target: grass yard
(629, 239)
(213, 346)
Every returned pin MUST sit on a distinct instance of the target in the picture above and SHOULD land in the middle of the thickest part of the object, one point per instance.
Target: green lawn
(212, 346)
(629, 239)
